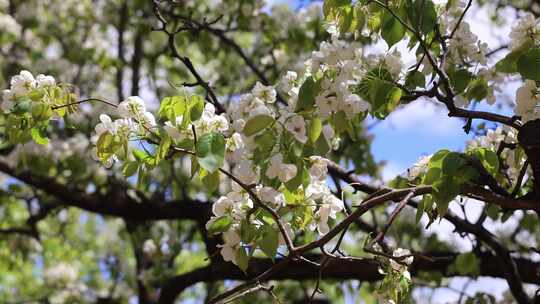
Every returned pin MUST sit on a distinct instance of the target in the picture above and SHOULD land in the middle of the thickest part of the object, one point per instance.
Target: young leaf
(220, 225)
(211, 151)
(528, 64)
(392, 30)
(38, 135)
(242, 259)
(257, 123)
(196, 107)
(269, 242)
(306, 96)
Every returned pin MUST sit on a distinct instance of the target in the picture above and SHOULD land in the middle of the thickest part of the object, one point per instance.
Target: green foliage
(415, 79)
(392, 30)
(219, 225)
(379, 89)
(528, 64)
(211, 151)
(257, 124)
(466, 264)
(306, 96)
(422, 15)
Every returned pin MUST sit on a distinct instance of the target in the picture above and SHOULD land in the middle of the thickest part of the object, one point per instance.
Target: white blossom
(9, 25)
(246, 172)
(132, 107)
(526, 30)
(527, 97)
(296, 125)
(23, 83)
(60, 274)
(318, 169)
(284, 172)
(149, 247)
(264, 93)
(420, 167)
(45, 81)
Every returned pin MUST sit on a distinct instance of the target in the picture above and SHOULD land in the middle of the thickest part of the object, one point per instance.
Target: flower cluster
(526, 31)
(420, 168)
(112, 136)
(527, 98)
(10, 25)
(22, 86)
(512, 158)
(340, 64)
(30, 103)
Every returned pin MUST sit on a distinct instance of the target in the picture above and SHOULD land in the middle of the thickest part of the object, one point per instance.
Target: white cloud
(424, 117)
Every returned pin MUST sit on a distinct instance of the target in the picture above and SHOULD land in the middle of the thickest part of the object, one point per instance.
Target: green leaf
(477, 89)
(452, 163)
(248, 231)
(528, 64)
(39, 136)
(269, 242)
(196, 107)
(41, 111)
(130, 168)
(392, 30)
(330, 7)
(422, 15)
(460, 79)
(211, 181)
(432, 175)
(306, 96)
(242, 259)
(378, 88)
(220, 225)
(315, 129)
(211, 151)
(415, 79)
(345, 19)
(296, 181)
(509, 63)
(489, 160)
(172, 107)
(257, 123)
(163, 147)
(466, 264)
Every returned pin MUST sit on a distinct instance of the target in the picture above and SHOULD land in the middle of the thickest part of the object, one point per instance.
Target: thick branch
(115, 203)
(336, 268)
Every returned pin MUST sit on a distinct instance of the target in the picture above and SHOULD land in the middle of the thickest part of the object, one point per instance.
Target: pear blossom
(149, 247)
(60, 274)
(246, 172)
(106, 125)
(526, 30)
(287, 82)
(400, 252)
(132, 107)
(271, 196)
(9, 25)
(527, 98)
(45, 81)
(223, 206)
(296, 125)
(419, 168)
(284, 172)
(22, 84)
(318, 169)
(264, 93)
(173, 131)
